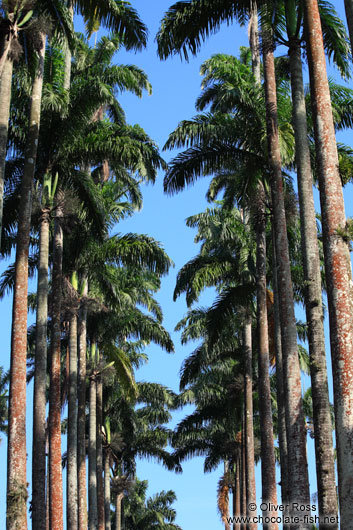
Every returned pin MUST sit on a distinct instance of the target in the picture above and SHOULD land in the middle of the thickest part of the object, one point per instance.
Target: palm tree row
(77, 167)
(234, 141)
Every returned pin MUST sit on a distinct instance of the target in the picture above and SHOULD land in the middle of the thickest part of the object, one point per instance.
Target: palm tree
(337, 260)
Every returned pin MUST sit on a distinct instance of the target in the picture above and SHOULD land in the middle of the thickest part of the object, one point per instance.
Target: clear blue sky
(175, 85)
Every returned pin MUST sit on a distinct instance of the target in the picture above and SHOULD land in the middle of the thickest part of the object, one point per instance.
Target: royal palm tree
(337, 260)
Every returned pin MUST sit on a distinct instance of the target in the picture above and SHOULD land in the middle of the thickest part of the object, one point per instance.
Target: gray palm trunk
(92, 449)
(243, 499)
(236, 493)
(55, 466)
(118, 500)
(16, 454)
(249, 425)
(348, 4)
(337, 259)
(282, 434)
(296, 434)
(107, 490)
(40, 380)
(100, 483)
(81, 412)
(268, 464)
(72, 491)
(5, 99)
(325, 467)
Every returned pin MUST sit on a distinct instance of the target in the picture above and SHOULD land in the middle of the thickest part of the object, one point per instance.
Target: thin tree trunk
(16, 454)
(72, 486)
(268, 464)
(118, 500)
(81, 413)
(325, 468)
(5, 99)
(100, 483)
(39, 447)
(236, 494)
(107, 491)
(337, 259)
(68, 56)
(348, 4)
(92, 449)
(249, 427)
(243, 499)
(282, 433)
(55, 468)
(296, 434)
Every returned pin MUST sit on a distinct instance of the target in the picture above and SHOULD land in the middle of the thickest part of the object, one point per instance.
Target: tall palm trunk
(107, 490)
(16, 454)
(118, 500)
(55, 469)
(325, 468)
(243, 499)
(92, 449)
(282, 433)
(81, 412)
(249, 426)
(40, 380)
(348, 4)
(337, 259)
(236, 493)
(71, 490)
(100, 483)
(5, 99)
(296, 434)
(268, 464)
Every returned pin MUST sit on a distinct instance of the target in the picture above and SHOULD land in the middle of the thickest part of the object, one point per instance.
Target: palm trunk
(68, 56)
(118, 500)
(81, 413)
(55, 468)
(282, 433)
(337, 259)
(71, 490)
(92, 449)
(325, 468)
(243, 499)
(5, 99)
(236, 494)
(296, 434)
(100, 484)
(107, 491)
(16, 455)
(249, 427)
(268, 464)
(40, 380)
(348, 4)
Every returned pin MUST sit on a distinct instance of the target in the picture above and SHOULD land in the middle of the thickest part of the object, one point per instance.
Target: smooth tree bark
(337, 259)
(296, 433)
(236, 493)
(249, 425)
(100, 482)
(118, 500)
(5, 99)
(282, 433)
(72, 482)
(81, 412)
(16, 515)
(348, 4)
(107, 492)
(92, 447)
(40, 380)
(55, 467)
(268, 464)
(325, 467)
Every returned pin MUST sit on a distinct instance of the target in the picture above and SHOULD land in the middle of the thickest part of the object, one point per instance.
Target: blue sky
(176, 85)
